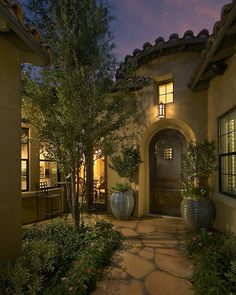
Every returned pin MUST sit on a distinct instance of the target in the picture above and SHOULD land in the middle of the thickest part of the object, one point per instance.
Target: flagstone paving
(153, 261)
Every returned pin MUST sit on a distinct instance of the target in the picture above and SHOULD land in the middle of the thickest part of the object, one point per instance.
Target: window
(166, 92)
(227, 153)
(24, 159)
(168, 154)
(48, 169)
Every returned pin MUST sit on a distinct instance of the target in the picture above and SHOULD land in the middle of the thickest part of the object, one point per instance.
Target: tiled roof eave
(220, 31)
(175, 44)
(30, 36)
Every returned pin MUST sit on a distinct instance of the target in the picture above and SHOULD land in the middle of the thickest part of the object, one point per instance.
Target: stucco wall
(187, 114)
(222, 98)
(10, 192)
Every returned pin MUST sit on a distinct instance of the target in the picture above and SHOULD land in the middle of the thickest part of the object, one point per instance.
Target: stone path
(152, 262)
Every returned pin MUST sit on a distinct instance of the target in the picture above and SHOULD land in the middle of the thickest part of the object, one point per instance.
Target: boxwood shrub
(214, 256)
(57, 259)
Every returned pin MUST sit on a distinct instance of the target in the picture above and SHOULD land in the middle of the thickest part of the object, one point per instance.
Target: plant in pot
(126, 165)
(197, 164)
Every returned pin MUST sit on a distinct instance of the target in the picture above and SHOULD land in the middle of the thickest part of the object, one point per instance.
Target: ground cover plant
(58, 259)
(214, 256)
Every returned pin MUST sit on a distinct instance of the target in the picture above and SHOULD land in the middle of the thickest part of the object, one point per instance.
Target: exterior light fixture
(161, 110)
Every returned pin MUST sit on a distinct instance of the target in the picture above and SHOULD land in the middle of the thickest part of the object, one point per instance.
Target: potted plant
(197, 164)
(126, 165)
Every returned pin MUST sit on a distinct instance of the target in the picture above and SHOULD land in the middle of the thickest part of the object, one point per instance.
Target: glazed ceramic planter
(197, 213)
(122, 204)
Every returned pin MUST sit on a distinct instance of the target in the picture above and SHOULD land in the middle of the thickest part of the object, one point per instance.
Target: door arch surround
(165, 150)
(143, 204)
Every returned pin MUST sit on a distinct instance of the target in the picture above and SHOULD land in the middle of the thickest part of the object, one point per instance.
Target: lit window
(48, 169)
(24, 159)
(166, 93)
(227, 139)
(168, 154)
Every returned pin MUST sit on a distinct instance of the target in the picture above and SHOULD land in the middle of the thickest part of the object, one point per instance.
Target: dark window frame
(222, 155)
(58, 172)
(27, 162)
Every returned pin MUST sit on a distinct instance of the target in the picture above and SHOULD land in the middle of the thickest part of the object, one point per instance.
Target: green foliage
(126, 163)
(99, 247)
(71, 105)
(122, 187)
(197, 164)
(57, 257)
(214, 256)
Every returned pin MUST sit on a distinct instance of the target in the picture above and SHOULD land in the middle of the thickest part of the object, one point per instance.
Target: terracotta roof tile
(175, 44)
(216, 30)
(15, 8)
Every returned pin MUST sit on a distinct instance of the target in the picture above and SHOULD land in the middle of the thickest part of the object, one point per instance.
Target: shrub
(214, 256)
(55, 252)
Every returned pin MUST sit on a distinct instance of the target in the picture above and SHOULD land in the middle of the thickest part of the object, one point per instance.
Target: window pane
(162, 98)
(232, 142)
(162, 89)
(166, 92)
(232, 121)
(223, 144)
(168, 154)
(169, 87)
(48, 172)
(24, 143)
(169, 97)
(223, 125)
(24, 173)
(43, 154)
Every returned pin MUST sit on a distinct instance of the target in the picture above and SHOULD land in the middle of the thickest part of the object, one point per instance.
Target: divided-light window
(227, 153)
(48, 169)
(166, 92)
(24, 159)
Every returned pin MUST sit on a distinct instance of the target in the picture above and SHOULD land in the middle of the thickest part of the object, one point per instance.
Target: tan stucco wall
(187, 114)
(222, 98)
(10, 193)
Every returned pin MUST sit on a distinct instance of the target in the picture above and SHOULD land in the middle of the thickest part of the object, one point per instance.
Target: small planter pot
(122, 204)
(197, 213)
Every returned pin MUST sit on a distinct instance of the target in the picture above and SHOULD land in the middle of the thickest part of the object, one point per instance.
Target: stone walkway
(153, 260)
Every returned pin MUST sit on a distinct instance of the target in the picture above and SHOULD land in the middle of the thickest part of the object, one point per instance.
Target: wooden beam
(201, 86)
(223, 54)
(3, 26)
(232, 30)
(209, 74)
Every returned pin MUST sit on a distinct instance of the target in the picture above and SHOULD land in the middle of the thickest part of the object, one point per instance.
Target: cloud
(141, 21)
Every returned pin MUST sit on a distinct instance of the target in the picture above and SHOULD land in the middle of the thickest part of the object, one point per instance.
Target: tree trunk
(89, 183)
(73, 199)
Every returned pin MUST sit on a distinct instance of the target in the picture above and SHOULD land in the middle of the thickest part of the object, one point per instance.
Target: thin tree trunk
(89, 183)
(75, 211)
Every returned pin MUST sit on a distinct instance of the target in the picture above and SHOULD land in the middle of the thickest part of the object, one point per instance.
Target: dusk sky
(140, 21)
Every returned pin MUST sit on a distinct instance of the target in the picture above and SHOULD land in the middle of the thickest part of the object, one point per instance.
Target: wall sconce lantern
(161, 110)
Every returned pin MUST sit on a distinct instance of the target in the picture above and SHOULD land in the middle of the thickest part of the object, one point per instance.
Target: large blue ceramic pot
(122, 204)
(197, 213)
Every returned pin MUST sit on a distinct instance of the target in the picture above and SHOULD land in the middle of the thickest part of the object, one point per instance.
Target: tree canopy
(71, 104)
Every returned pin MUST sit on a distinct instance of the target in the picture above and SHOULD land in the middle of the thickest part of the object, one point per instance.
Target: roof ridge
(161, 45)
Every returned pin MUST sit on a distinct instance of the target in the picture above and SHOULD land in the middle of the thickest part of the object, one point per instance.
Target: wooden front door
(165, 150)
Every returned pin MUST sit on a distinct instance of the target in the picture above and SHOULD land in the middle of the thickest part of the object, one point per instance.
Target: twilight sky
(140, 21)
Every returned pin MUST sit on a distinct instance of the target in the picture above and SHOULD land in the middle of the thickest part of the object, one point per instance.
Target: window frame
(222, 155)
(48, 161)
(158, 91)
(27, 162)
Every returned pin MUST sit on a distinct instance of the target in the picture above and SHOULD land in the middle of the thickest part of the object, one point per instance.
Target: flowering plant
(190, 191)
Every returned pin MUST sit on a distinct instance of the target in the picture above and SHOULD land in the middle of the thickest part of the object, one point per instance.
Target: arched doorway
(165, 150)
